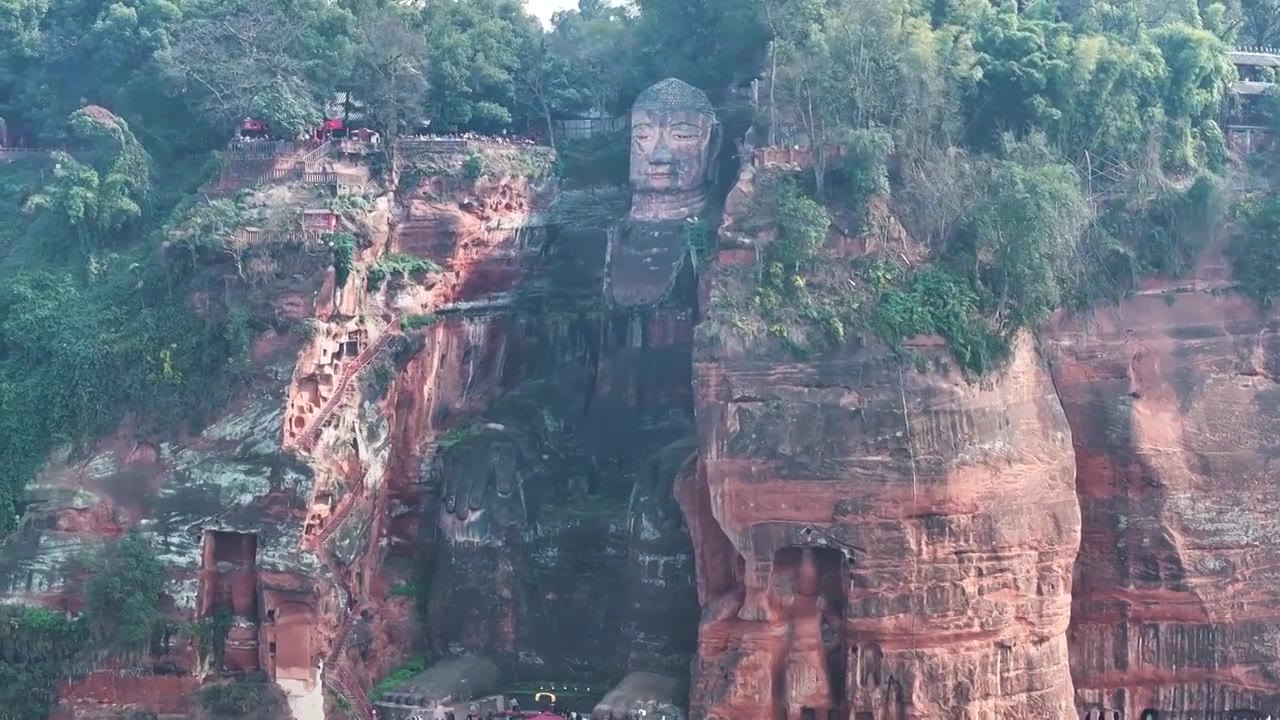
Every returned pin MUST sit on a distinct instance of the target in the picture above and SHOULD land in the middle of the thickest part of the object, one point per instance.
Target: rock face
(535, 424)
(880, 542)
(563, 476)
(1174, 408)
(875, 539)
(558, 549)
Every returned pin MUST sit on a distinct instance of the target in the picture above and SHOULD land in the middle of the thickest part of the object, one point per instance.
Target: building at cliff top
(1246, 121)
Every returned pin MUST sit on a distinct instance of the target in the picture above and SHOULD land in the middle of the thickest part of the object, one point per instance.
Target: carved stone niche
(807, 592)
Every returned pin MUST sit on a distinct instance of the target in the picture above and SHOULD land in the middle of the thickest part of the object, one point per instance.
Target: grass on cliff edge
(404, 673)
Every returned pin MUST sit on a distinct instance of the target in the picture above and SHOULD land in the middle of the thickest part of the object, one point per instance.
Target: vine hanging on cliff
(344, 256)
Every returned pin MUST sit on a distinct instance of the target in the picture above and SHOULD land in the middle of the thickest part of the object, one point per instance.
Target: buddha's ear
(713, 152)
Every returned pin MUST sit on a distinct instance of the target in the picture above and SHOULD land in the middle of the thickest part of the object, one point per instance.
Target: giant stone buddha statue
(675, 142)
(674, 139)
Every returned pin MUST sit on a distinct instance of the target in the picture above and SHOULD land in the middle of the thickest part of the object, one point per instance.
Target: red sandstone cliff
(1172, 400)
(874, 540)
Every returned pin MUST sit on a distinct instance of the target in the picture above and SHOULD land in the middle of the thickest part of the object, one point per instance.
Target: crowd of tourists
(515, 712)
(504, 139)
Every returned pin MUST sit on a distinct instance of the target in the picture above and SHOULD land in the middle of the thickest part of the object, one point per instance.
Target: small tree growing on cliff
(122, 597)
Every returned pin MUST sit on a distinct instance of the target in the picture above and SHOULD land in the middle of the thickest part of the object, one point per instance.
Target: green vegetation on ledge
(401, 674)
(1256, 250)
(96, 317)
(37, 648)
(397, 263)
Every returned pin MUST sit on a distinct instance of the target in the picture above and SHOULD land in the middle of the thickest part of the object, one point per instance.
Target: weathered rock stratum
(1174, 410)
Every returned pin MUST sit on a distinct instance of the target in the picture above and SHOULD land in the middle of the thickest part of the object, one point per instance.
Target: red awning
(335, 124)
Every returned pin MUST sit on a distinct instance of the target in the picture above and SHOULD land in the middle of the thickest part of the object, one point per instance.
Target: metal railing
(1257, 49)
(265, 149)
(255, 236)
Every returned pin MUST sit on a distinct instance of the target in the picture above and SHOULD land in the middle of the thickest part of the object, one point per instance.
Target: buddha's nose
(662, 155)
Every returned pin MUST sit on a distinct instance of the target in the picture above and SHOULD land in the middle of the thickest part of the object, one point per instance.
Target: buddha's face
(669, 150)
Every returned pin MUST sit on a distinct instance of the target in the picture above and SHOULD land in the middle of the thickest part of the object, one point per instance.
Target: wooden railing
(311, 435)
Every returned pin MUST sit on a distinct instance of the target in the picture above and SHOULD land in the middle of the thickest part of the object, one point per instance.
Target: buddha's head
(673, 129)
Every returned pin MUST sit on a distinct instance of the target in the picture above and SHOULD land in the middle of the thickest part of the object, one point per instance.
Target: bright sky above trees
(545, 8)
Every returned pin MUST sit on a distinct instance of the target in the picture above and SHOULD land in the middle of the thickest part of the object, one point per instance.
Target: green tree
(707, 43)
(94, 200)
(122, 597)
(1198, 77)
(597, 49)
(389, 72)
(1025, 238)
(276, 60)
(1025, 66)
(476, 52)
(546, 84)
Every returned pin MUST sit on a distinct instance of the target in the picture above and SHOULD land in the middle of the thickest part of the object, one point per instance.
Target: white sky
(544, 8)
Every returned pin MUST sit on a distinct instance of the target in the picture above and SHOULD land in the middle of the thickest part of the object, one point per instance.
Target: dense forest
(1047, 153)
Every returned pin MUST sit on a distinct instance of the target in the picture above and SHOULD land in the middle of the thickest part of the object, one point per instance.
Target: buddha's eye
(685, 132)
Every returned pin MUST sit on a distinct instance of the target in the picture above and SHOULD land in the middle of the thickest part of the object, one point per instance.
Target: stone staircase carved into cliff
(311, 435)
(335, 675)
(345, 505)
(340, 678)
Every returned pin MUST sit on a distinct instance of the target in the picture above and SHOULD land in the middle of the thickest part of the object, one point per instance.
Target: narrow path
(311, 435)
(336, 676)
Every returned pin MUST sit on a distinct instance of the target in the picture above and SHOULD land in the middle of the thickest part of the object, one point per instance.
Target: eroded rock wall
(529, 493)
(1174, 409)
(558, 548)
(904, 541)
(876, 538)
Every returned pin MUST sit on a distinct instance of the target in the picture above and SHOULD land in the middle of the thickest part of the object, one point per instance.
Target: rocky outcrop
(1174, 409)
(639, 692)
(898, 543)
(875, 538)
